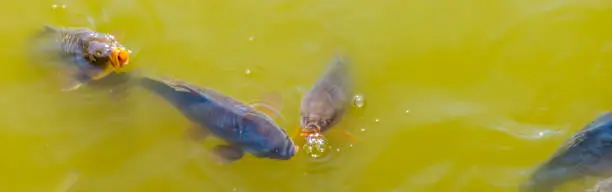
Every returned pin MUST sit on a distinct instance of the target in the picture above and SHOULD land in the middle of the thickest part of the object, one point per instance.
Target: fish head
(270, 141)
(281, 147)
(104, 50)
(315, 123)
(318, 113)
(284, 150)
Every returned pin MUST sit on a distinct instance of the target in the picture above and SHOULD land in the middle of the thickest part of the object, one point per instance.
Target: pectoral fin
(349, 136)
(196, 133)
(74, 81)
(227, 153)
(71, 85)
(192, 135)
(72, 78)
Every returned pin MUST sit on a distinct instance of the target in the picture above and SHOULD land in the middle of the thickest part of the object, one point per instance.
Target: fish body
(241, 126)
(587, 153)
(84, 54)
(323, 106)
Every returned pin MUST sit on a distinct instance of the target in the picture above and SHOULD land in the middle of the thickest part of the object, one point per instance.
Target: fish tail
(157, 87)
(340, 72)
(340, 58)
(171, 93)
(339, 66)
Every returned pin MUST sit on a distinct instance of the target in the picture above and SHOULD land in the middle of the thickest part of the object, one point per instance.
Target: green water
(460, 95)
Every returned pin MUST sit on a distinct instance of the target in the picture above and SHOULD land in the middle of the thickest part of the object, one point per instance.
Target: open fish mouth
(119, 57)
(310, 129)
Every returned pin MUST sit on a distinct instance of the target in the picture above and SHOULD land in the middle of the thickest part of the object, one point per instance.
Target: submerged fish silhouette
(83, 54)
(326, 102)
(241, 126)
(587, 153)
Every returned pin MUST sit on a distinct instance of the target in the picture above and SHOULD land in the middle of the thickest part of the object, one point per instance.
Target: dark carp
(244, 128)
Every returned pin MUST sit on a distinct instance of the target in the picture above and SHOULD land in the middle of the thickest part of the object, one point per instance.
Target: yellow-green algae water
(460, 95)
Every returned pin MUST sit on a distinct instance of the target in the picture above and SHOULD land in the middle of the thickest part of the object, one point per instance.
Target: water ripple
(527, 131)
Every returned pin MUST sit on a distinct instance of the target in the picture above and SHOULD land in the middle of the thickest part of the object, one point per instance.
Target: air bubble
(358, 101)
(316, 145)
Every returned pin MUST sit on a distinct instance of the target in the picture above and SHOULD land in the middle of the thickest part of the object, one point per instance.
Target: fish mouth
(119, 57)
(310, 129)
(283, 153)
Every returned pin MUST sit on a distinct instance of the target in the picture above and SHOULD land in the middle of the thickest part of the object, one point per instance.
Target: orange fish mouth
(310, 130)
(120, 57)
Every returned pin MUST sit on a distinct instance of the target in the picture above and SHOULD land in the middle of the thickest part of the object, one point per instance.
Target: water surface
(460, 95)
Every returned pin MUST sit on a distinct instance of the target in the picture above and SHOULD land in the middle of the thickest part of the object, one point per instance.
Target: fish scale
(72, 43)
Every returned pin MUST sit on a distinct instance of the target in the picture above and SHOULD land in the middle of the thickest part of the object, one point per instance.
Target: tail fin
(158, 87)
(176, 94)
(338, 72)
(340, 58)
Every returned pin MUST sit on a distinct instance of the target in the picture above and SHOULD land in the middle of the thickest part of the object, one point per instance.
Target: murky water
(461, 95)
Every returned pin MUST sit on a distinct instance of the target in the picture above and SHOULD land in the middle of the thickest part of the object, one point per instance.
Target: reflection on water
(461, 96)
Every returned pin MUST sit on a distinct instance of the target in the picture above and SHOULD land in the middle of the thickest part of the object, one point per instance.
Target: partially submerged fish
(85, 55)
(244, 128)
(326, 102)
(587, 153)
